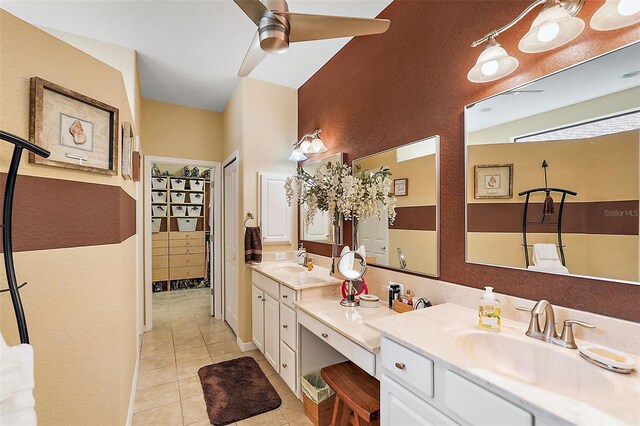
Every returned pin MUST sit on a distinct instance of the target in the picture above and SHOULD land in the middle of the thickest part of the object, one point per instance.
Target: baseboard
(134, 388)
(245, 346)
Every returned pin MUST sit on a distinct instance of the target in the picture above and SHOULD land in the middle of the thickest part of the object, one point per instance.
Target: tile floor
(184, 338)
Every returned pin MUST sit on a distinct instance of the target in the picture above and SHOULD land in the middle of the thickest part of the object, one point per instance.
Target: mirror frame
(466, 177)
(300, 214)
(436, 274)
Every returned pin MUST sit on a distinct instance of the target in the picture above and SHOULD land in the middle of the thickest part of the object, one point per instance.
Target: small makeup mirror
(352, 266)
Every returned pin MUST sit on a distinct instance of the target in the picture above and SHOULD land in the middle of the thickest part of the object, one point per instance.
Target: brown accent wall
(54, 213)
(421, 218)
(604, 217)
(383, 91)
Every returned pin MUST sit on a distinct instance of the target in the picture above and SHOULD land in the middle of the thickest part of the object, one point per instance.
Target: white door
(257, 317)
(373, 233)
(398, 406)
(231, 245)
(211, 247)
(272, 331)
(275, 213)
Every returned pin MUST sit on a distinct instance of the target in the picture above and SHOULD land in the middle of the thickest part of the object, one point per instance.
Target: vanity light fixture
(552, 28)
(615, 14)
(308, 144)
(493, 63)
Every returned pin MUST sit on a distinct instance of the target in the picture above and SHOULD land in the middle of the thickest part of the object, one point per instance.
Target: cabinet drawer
(159, 251)
(160, 243)
(478, 406)
(195, 235)
(159, 262)
(288, 326)
(409, 368)
(187, 243)
(179, 260)
(287, 295)
(159, 236)
(187, 272)
(190, 249)
(399, 406)
(160, 274)
(356, 353)
(288, 366)
(266, 284)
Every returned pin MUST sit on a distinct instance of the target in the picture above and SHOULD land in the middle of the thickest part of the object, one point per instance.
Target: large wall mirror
(411, 242)
(552, 172)
(321, 230)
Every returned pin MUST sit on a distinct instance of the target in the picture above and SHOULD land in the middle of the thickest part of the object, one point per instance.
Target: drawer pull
(285, 326)
(400, 366)
(284, 296)
(325, 335)
(284, 365)
(260, 297)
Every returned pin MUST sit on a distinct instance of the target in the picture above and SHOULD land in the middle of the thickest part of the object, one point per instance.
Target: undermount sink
(311, 280)
(541, 364)
(287, 269)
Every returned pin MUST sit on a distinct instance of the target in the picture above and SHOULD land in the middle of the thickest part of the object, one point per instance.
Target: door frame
(215, 270)
(220, 288)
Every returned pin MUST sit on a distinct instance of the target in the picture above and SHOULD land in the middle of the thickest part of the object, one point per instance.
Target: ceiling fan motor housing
(274, 34)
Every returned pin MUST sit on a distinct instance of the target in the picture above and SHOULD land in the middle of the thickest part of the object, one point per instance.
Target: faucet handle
(523, 309)
(534, 325)
(566, 339)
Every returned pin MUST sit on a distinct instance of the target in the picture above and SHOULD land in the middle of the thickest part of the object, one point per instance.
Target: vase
(355, 243)
(335, 242)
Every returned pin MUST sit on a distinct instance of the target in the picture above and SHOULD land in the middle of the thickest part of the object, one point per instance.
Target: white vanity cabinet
(264, 325)
(414, 390)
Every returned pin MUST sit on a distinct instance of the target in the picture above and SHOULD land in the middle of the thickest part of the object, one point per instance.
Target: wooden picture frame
(493, 181)
(80, 132)
(401, 187)
(126, 168)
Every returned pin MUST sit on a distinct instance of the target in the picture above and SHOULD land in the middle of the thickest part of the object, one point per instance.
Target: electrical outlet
(281, 256)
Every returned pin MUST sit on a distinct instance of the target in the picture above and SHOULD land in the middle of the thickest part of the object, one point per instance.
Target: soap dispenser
(301, 254)
(489, 311)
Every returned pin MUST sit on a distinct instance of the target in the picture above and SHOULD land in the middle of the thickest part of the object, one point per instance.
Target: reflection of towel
(252, 245)
(16, 389)
(545, 258)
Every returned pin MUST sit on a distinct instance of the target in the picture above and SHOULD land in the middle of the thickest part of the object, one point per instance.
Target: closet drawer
(186, 243)
(159, 243)
(195, 235)
(288, 366)
(187, 272)
(159, 236)
(288, 326)
(356, 353)
(159, 251)
(159, 262)
(287, 295)
(160, 274)
(409, 368)
(190, 249)
(179, 260)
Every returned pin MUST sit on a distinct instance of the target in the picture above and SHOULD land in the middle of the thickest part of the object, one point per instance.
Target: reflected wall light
(308, 144)
(615, 14)
(555, 26)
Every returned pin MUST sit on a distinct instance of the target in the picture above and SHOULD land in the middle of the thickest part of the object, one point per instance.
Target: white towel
(545, 258)
(16, 385)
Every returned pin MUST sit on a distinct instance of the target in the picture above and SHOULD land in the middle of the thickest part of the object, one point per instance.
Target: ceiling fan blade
(319, 27)
(253, 57)
(254, 9)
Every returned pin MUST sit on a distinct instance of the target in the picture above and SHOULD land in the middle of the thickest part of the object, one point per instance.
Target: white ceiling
(189, 52)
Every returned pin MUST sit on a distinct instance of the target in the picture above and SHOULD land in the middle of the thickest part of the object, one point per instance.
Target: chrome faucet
(549, 333)
(306, 258)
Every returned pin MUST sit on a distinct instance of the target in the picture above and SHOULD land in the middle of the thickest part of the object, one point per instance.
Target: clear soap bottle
(489, 311)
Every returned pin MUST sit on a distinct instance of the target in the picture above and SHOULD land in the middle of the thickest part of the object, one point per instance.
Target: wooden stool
(357, 395)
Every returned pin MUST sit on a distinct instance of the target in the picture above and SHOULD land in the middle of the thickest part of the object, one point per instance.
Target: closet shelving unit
(179, 247)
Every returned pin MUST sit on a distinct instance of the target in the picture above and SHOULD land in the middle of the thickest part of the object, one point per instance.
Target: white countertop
(318, 277)
(350, 322)
(592, 395)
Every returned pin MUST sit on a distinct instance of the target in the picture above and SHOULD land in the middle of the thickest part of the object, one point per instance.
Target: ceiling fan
(277, 28)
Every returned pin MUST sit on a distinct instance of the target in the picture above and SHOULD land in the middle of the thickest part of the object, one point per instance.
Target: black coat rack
(19, 144)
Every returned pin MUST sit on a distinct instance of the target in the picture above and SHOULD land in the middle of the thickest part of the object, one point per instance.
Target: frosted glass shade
(614, 14)
(317, 146)
(493, 63)
(305, 146)
(552, 28)
(297, 155)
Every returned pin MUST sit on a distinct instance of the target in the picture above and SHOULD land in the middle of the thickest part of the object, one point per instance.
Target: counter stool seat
(357, 394)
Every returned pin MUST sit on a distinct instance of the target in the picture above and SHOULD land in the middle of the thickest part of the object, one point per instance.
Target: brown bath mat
(236, 389)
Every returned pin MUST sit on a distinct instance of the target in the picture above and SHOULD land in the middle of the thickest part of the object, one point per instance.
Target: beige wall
(260, 120)
(177, 131)
(80, 302)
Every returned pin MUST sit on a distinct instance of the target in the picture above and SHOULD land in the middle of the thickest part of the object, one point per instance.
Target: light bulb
(548, 32)
(490, 68)
(628, 7)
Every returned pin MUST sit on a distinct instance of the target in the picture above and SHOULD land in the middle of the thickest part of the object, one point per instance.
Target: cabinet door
(288, 366)
(272, 331)
(257, 317)
(398, 406)
(275, 213)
